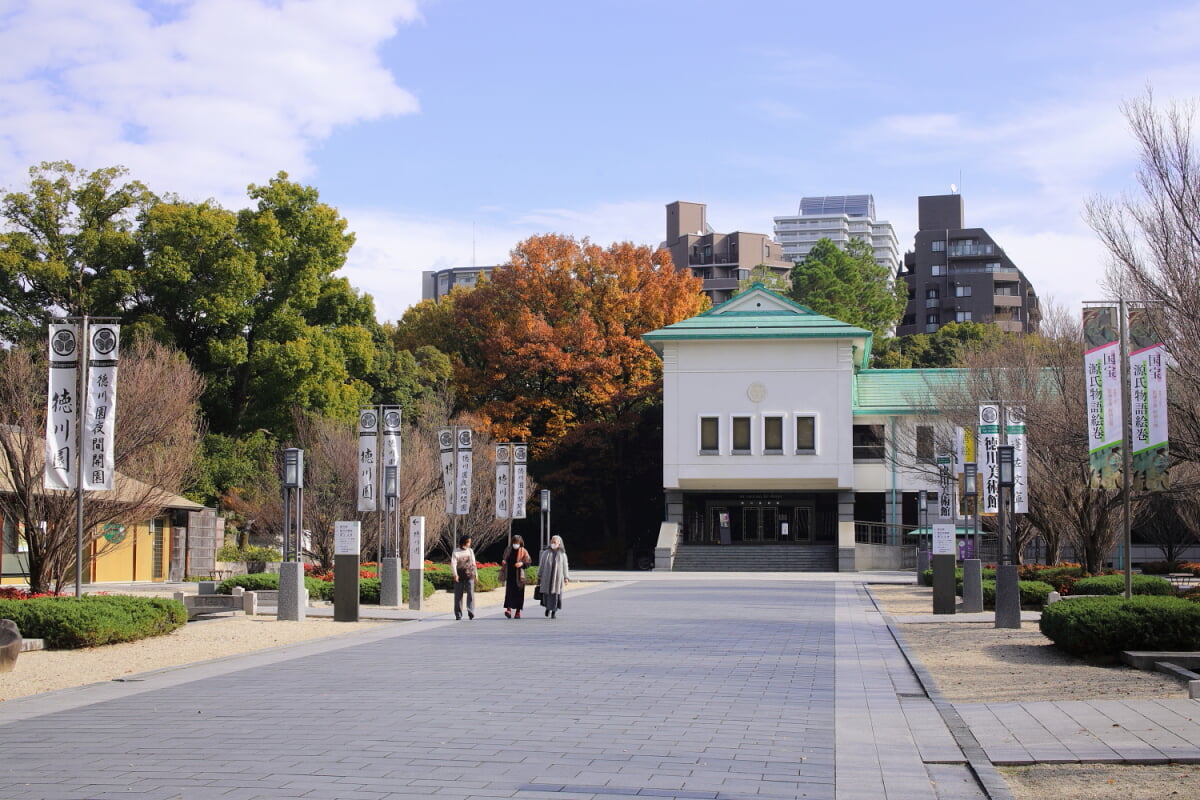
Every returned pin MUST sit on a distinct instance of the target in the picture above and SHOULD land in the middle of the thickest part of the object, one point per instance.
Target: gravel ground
(977, 662)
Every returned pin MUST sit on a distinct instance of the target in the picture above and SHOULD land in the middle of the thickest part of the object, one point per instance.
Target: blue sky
(446, 131)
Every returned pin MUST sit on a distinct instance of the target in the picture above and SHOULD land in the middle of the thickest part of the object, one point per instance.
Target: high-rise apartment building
(959, 274)
(436, 284)
(721, 260)
(838, 218)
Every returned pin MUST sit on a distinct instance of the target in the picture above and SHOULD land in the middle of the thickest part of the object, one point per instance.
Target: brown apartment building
(721, 260)
(958, 274)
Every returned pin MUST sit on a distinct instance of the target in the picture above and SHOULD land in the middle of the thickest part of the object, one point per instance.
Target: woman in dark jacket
(516, 559)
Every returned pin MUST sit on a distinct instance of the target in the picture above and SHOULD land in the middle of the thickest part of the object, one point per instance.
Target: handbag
(537, 593)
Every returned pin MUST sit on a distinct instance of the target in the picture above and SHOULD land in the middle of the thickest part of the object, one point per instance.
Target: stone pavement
(700, 688)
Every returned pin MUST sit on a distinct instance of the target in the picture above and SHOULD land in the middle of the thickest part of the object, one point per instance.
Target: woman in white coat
(553, 574)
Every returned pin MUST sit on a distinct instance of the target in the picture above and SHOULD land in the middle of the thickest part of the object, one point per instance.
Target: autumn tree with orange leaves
(549, 351)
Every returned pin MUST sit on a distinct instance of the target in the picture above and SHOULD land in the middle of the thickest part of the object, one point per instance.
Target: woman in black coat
(516, 559)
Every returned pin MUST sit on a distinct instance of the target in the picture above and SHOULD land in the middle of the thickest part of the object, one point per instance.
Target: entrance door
(801, 529)
(760, 524)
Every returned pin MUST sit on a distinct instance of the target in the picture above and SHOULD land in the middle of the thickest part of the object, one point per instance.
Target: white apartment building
(838, 218)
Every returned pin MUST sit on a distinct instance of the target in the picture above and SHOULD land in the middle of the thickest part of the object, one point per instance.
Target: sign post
(347, 547)
(416, 562)
(944, 597)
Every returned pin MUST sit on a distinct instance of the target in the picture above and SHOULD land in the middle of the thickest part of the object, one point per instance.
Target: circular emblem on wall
(989, 415)
(391, 420)
(104, 341)
(366, 420)
(756, 392)
(1016, 415)
(63, 343)
(114, 532)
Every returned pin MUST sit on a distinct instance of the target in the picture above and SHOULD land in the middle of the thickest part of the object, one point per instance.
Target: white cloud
(204, 99)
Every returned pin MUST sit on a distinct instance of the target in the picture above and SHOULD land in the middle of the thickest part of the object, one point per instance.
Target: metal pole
(79, 422)
(1126, 459)
(287, 524)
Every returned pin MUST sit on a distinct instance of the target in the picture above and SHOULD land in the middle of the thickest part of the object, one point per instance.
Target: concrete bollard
(250, 603)
(1052, 598)
(972, 586)
(922, 562)
(1008, 597)
(944, 599)
(1194, 690)
(10, 645)
(389, 582)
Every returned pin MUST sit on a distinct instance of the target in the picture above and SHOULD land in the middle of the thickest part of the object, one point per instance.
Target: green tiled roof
(758, 314)
(900, 391)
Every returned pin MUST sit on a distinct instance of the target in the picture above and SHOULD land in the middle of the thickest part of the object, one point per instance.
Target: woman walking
(462, 564)
(516, 559)
(553, 573)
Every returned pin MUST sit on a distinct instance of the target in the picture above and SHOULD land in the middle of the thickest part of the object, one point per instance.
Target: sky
(446, 131)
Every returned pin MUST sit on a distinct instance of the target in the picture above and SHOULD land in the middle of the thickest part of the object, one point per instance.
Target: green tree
(769, 278)
(849, 286)
(945, 347)
(70, 246)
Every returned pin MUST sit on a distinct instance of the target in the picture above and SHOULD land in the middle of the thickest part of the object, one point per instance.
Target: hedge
(1104, 626)
(486, 578)
(1115, 584)
(1033, 593)
(368, 588)
(72, 622)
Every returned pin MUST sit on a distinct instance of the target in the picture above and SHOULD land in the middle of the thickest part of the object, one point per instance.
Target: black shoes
(552, 614)
(547, 612)
(458, 616)
(507, 613)
(470, 615)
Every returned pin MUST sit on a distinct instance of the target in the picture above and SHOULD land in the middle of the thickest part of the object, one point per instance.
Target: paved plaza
(701, 687)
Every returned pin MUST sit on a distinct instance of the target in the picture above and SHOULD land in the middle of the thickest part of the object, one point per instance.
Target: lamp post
(391, 490)
(971, 494)
(293, 488)
(1008, 593)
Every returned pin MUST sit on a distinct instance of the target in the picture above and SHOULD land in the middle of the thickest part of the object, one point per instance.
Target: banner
(62, 408)
(463, 478)
(520, 492)
(100, 406)
(446, 450)
(503, 481)
(989, 466)
(390, 431)
(1102, 371)
(945, 486)
(1014, 430)
(1151, 458)
(368, 459)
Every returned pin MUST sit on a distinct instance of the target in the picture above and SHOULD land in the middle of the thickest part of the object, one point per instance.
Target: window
(868, 442)
(962, 316)
(937, 270)
(710, 428)
(962, 291)
(741, 435)
(925, 443)
(931, 294)
(806, 434)
(773, 435)
(939, 246)
(931, 319)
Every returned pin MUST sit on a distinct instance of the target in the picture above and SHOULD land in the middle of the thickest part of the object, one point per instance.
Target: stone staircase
(756, 558)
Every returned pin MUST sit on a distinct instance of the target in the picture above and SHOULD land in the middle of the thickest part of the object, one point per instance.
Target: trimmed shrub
(1033, 593)
(267, 582)
(1115, 584)
(1104, 626)
(71, 622)
(368, 590)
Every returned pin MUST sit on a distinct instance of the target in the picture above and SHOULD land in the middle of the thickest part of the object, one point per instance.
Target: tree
(548, 351)
(849, 286)
(945, 347)
(70, 246)
(1153, 242)
(156, 443)
(769, 278)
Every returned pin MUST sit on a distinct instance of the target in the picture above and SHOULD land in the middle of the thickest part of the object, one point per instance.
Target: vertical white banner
(446, 450)
(100, 406)
(503, 481)
(462, 504)
(989, 464)
(1014, 430)
(390, 441)
(519, 490)
(368, 459)
(1102, 372)
(945, 465)
(62, 408)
